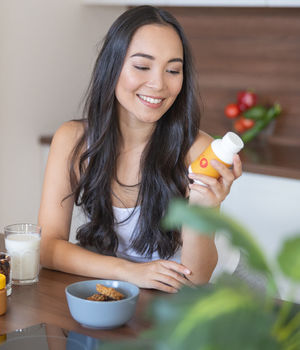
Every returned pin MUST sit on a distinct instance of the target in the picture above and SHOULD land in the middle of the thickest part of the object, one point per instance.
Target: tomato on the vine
(242, 107)
(239, 126)
(232, 111)
(248, 123)
(246, 98)
(242, 124)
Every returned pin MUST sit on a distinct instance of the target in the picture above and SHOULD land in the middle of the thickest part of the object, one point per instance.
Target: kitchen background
(47, 50)
(46, 57)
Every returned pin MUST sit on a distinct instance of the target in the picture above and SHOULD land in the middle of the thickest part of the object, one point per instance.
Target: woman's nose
(156, 81)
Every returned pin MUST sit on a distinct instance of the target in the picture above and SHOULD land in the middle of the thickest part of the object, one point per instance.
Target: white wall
(268, 206)
(47, 50)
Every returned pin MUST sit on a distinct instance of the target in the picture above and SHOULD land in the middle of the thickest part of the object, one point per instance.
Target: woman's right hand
(165, 275)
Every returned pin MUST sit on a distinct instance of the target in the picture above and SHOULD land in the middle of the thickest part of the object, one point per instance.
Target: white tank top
(228, 256)
(125, 229)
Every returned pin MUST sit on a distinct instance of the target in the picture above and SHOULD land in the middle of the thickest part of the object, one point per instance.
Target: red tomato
(239, 126)
(242, 124)
(232, 111)
(248, 123)
(247, 98)
(242, 107)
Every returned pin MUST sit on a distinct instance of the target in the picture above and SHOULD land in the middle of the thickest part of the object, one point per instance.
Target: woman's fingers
(172, 273)
(164, 275)
(206, 181)
(214, 191)
(174, 278)
(173, 265)
(169, 276)
(210, 186)
(227, 173)
(227, 176)
(237, 166)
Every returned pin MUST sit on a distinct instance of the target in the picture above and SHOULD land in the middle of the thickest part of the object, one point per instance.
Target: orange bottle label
(202, 164)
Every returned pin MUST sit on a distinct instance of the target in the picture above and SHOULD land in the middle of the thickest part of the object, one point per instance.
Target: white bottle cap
(232, 142)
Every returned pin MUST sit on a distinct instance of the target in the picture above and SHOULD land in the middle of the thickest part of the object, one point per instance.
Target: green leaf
(273, 112)
(221, 302)
(213, 317)
(208, 220)
(256, 112)
(289, 258)
(171, 307)
(261, 123)
(254, 131)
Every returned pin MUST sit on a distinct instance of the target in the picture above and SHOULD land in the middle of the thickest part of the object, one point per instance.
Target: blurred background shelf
(272, 159)
(258, 157)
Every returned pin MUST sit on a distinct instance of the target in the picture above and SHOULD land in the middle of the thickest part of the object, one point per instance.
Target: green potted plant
(227, 314)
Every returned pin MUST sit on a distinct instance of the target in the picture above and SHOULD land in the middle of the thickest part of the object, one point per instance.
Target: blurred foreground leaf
(223, 318)
(289, 258)
(207, 317)
(227, 314)
(208, 220)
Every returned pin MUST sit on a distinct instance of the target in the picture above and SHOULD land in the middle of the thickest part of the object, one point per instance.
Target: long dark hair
(163, 169)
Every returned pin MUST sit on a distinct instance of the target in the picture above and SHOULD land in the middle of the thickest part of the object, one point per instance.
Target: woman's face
(152, 74)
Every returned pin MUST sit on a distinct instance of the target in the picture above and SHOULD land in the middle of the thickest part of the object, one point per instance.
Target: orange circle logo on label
(203, 163)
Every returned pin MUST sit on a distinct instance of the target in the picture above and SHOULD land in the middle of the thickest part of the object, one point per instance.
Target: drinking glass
(22, 242)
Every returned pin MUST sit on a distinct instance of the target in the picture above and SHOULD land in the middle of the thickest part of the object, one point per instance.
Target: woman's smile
(150, 101)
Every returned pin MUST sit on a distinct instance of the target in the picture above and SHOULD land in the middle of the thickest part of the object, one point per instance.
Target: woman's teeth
(150, 99)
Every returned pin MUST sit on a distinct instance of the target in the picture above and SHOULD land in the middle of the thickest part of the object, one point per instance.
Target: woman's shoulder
(69, 133)
(201, 142)
(70, 130)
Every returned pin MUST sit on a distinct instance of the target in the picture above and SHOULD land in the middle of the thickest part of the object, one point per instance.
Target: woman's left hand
(217, 189)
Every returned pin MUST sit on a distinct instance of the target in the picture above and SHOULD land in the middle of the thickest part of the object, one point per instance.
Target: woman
(124, 163)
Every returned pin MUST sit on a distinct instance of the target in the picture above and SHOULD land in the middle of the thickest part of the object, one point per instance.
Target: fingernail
(188, 272)
(213, 162)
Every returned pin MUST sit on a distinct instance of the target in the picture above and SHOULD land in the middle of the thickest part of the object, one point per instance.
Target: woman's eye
(173, 71)
(141, 67)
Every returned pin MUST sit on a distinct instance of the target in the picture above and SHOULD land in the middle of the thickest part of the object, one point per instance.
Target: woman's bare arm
(55, 214)
(199, 252)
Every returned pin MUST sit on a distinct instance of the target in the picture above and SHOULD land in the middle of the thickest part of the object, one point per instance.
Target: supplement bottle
(222, 150)
(3, 296)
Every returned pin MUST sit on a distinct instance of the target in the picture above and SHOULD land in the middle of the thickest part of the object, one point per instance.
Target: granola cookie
(97, 297)
(109, 292)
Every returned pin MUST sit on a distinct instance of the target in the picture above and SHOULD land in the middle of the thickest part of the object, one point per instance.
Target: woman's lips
(153, 102)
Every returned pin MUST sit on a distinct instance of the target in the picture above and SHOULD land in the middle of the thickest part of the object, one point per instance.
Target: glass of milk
(22, 242)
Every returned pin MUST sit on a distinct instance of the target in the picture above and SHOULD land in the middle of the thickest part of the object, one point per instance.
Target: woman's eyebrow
(139, 54)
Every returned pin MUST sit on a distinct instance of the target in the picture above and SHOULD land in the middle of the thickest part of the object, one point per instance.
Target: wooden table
(45, 302)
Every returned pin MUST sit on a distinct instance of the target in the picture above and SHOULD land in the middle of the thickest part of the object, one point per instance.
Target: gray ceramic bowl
(101, 314)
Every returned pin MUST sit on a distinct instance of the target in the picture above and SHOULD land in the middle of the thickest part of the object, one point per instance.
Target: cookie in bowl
(98, 303)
